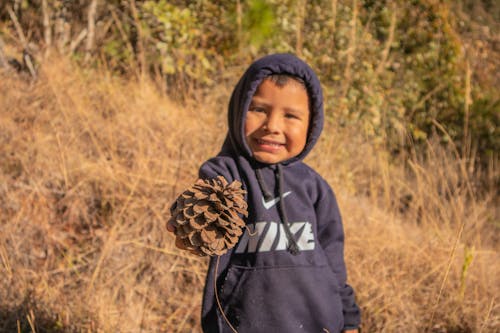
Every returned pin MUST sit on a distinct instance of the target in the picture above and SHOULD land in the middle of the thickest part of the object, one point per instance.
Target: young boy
(287, 272)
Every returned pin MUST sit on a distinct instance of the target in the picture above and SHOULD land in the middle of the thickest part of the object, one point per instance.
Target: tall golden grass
(89, 164)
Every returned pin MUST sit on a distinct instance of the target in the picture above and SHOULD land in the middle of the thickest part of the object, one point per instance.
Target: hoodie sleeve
(209, 313)
(213, 168)
(331, 239)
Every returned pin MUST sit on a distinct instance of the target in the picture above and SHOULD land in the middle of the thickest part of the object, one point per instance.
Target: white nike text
(271, 236)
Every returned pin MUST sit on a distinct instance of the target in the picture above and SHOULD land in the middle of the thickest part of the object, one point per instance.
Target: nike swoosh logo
(274, 201)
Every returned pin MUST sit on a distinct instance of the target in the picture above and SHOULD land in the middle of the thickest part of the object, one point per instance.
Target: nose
(273, 122)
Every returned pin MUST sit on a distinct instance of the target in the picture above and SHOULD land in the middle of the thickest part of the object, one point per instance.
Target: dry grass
(89, 164)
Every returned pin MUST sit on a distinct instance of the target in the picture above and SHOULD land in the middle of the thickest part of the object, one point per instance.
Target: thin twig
(123, 34)
(5, 261)
(111, 238)
(89, 46)
(47, 32)
(490, 308)
(178, 170)
(457, 156)
(3, 59)
(467, 103)
(29, 64)
(300, 26)
(62, 26)
(351, 50)
(219, 304)
(388, 43)
(31, 321)
(74, 43)
(188, 313)
(19, 30)
(448, 268)
(140, 46)
(158, 249)
(334, 22)
(426, 97)
(239, 24)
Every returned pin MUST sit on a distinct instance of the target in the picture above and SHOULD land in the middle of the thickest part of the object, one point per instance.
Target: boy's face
(277, 121)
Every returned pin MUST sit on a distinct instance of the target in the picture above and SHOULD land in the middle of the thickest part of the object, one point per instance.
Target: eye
(255, 108)
(292, 116)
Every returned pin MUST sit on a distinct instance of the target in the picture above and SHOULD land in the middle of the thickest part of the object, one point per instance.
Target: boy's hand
(351, 331)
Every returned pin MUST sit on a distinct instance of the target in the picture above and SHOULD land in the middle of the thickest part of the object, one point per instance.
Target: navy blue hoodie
(287, 272)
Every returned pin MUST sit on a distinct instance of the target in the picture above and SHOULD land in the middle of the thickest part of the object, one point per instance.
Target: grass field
(89, 164)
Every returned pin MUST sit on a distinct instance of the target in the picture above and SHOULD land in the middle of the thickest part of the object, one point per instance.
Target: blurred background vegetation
(107, 108)
(401, 71)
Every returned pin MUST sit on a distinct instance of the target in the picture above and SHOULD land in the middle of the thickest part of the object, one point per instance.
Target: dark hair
(282, 79)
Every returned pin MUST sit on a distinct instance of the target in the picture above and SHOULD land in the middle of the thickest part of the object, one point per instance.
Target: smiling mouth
(269, 145)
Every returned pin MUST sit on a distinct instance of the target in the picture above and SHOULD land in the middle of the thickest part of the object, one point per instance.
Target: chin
(262, 158)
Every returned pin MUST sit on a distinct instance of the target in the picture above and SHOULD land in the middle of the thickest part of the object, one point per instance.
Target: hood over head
(245, 89)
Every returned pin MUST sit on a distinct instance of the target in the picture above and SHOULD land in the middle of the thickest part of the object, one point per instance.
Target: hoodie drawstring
(293, 247)
(262, 184)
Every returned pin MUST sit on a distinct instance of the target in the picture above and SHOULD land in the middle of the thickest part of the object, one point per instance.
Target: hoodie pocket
(283, 299)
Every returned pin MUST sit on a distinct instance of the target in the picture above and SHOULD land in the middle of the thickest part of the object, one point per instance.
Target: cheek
(248, 130)
(251, 124)
(298, 135)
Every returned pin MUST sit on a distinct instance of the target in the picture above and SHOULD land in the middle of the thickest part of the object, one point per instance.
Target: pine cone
(206, 217)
